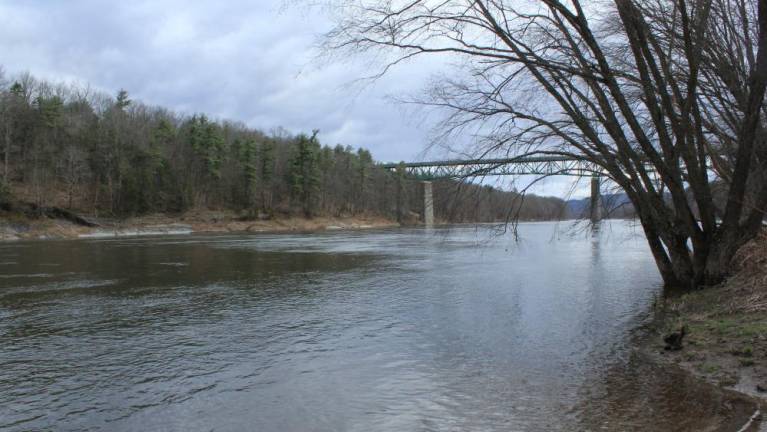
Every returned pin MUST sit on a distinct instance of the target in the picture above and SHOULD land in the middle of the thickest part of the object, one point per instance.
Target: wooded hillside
(72, 147)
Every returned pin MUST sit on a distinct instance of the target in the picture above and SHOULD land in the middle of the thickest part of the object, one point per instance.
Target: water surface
(392, 330)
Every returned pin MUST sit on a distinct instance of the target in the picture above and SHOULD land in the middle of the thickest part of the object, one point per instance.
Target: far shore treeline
(68, 146)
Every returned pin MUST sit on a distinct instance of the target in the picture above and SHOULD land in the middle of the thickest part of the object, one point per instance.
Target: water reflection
(380, 330)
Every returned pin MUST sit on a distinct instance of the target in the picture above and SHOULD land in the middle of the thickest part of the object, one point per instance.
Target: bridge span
(457, 169)
(460, 169)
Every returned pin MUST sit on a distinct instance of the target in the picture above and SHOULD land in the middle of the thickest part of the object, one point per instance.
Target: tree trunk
(718, 263)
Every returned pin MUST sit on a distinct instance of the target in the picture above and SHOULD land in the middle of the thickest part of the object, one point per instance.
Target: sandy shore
(15, 227)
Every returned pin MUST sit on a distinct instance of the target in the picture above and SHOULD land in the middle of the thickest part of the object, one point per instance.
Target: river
(451, 329)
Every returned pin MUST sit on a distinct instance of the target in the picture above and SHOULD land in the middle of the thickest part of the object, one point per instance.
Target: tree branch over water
(665, 96)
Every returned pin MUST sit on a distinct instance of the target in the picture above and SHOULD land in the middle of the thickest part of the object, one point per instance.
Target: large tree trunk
(718, 262)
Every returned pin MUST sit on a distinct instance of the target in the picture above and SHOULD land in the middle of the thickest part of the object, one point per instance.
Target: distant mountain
(617, 205)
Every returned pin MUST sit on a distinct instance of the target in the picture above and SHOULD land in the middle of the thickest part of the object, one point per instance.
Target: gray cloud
(241, 60)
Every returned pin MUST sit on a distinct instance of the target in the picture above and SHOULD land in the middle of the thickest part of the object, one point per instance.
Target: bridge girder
(458, 169)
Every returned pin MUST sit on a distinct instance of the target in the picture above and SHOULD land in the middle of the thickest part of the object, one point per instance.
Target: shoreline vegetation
(725, 341)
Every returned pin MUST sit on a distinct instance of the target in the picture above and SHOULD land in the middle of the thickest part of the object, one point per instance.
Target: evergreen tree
(304, 173)
(208, 144)
(122, 101)
(364, 168)
(266, 158)
(249, 153)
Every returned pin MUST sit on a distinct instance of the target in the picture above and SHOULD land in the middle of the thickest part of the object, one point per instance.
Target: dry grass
(752, 257)
(744, 292)
(747, 288)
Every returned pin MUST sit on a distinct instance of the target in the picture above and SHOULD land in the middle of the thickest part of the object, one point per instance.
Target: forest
(70, 147)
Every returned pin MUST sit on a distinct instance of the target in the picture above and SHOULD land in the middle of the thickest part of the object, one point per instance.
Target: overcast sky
(253, 61)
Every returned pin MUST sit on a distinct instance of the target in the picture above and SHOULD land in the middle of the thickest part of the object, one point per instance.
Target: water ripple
(384, 330)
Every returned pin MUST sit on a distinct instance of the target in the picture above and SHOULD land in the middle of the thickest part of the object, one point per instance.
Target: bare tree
(664, 96)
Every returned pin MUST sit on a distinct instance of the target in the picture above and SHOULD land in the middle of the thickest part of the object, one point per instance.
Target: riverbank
(15, 226)
(725, 341)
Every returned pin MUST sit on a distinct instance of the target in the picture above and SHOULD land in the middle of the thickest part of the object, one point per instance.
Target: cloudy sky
(253, 61)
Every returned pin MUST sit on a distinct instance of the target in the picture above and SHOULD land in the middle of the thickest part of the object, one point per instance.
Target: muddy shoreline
(739, 410)
(725, 342)
(15, 227)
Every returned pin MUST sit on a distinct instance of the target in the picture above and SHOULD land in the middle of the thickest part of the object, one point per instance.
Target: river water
(394, 330)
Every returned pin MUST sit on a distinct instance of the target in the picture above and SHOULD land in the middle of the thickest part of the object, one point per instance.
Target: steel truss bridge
(523, 165)
(526, 165)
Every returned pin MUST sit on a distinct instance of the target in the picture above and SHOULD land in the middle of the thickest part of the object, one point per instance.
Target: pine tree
(207, 142)
(304, 173)
(266, 158)
(249, 160)
(364, 168)
(122, 101)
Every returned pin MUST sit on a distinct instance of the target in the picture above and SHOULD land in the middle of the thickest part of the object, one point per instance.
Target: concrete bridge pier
(596, 199)
(400, 194)
(428, 204)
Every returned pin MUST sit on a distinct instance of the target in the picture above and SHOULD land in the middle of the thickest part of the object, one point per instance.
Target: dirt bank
(725, 340)
(14, 226)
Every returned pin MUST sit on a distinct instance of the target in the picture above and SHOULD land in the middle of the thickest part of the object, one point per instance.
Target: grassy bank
(726, 327)
(16, 226)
